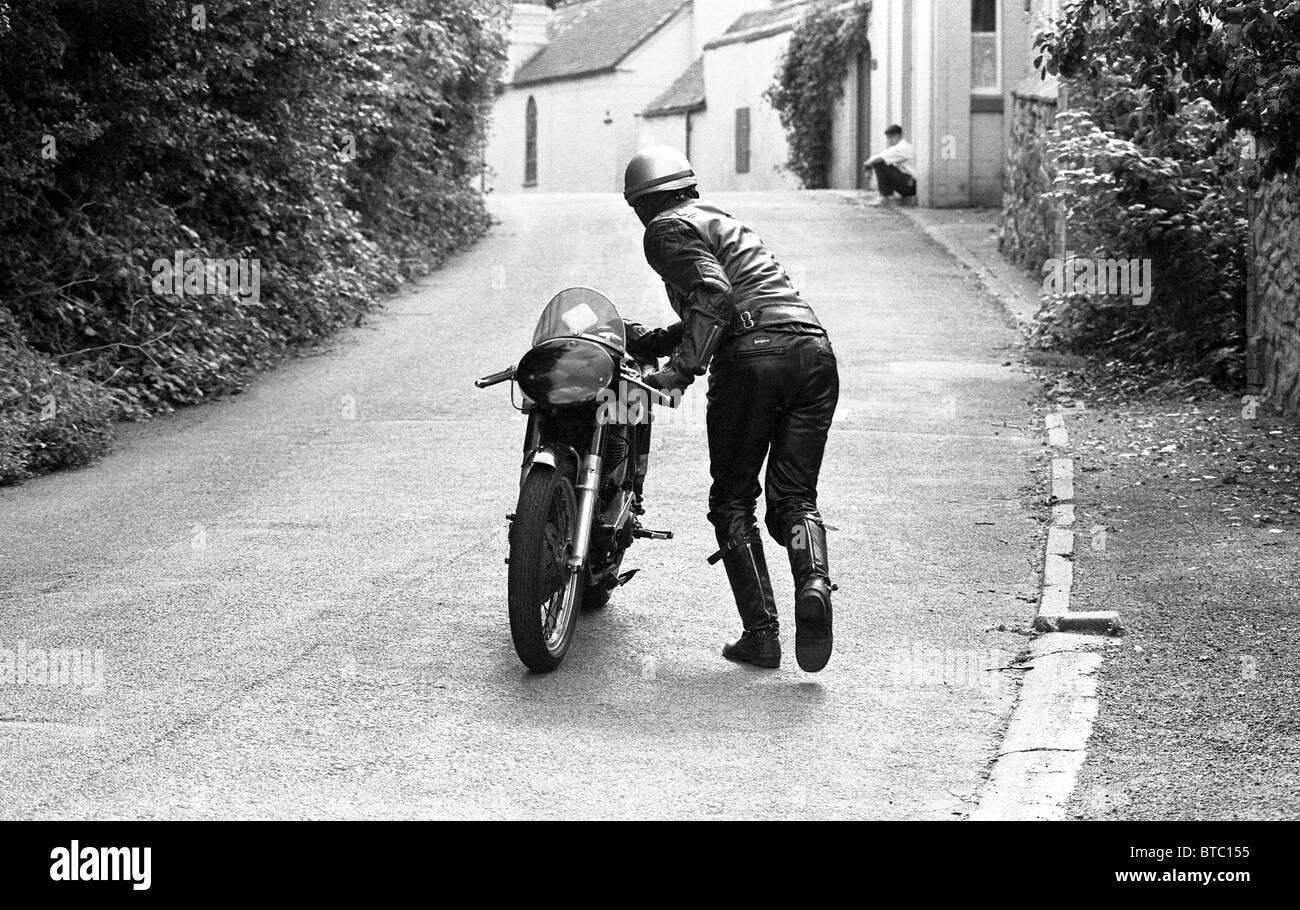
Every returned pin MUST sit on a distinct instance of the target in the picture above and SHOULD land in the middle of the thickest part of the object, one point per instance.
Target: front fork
(588, 488)
(588, 495)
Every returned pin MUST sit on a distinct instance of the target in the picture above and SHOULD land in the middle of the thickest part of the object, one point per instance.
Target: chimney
(528, 34)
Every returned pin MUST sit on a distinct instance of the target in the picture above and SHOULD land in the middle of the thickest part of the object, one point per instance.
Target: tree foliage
(1242, 56)
(1123, 203)
(1158, 167)
(810, 82)
(334, 142)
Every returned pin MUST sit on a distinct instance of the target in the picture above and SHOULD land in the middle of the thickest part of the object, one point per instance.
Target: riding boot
(760, 643)
(810, 566)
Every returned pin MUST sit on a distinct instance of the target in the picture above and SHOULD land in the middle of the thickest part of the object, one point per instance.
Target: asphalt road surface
(295, 598)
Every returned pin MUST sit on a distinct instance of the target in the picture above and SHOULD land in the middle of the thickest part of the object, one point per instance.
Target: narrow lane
(299, 595)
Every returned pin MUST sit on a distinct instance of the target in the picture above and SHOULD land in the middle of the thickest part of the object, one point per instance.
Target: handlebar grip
(494, 378)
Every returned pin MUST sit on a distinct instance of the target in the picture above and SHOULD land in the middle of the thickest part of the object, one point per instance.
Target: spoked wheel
(544, 597)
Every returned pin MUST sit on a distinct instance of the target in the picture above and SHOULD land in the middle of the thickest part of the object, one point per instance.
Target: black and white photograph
(419, 413)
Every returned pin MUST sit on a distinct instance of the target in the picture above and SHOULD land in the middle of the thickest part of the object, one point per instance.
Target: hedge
(322, 152)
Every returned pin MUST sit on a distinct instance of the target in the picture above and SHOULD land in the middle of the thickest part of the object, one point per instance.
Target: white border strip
(1046, 741)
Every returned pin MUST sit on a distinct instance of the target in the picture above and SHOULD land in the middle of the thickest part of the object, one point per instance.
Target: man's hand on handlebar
(652, 343)
(669, 380)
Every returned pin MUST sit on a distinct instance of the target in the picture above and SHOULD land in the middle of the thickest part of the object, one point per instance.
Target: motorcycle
(586, 453)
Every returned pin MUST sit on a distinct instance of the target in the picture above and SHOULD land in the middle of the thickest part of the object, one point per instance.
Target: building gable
(764, 23)
(593, 36)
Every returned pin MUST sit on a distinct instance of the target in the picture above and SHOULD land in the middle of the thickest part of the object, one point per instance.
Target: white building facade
(693, 73)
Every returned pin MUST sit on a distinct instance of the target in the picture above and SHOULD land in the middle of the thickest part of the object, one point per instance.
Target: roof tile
(591, 36)
(686, 94)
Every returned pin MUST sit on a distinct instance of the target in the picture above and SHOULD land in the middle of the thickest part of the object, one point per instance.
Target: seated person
(893, 167)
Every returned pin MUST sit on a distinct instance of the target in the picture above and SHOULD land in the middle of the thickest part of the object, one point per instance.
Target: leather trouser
(772, 395)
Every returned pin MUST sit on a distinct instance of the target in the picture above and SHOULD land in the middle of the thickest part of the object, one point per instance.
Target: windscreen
(584, 312)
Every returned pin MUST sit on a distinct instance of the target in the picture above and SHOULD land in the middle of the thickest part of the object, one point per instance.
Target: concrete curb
(1046, 740)
(1054, 613)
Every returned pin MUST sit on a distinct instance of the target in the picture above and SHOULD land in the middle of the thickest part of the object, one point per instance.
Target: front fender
(558, 457)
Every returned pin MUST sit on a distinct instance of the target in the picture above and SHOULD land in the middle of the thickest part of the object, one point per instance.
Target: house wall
(1018, 28)
(946, 39)
(669, 130)
(987, 141)
(845, 157)
(577, 149)
(644, 76)
(736, 75)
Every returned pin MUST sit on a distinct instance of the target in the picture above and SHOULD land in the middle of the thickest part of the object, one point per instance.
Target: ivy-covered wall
(1276, 229)
(1027, 225)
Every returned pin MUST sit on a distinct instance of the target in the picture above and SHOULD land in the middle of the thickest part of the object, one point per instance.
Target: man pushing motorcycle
(772, 391)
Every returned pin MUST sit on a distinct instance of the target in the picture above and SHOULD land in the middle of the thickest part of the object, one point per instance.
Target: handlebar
(494, 378)
(656, 396)
(629, 376)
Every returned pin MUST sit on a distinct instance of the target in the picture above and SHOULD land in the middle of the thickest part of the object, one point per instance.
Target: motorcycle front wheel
(544, 596)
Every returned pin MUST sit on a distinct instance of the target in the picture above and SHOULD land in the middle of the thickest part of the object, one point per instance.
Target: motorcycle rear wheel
(544, 597)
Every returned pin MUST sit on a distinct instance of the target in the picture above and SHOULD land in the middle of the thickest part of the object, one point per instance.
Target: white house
(716, 111)
(597, 79)
(578, 79)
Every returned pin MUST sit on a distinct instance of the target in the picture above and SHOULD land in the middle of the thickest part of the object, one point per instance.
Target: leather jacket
(721, 280)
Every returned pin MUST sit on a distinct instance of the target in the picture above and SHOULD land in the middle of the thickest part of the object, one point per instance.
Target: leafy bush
(333, 144)
(1152, 169)
(1122, 203)
(49, 418)
(810, 82)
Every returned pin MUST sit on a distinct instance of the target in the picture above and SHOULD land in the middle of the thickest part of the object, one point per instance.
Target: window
(985, 55)
(530, 143)
(984, 16)
(742, 140)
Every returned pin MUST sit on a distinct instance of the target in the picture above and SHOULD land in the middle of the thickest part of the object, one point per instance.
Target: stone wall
(1028, 224)
(1275, 227)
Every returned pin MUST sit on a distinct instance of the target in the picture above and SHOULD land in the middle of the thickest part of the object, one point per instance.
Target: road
(298, 593)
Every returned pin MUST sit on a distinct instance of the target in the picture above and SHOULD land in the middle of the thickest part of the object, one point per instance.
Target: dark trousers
(890, 180)
(772, 400)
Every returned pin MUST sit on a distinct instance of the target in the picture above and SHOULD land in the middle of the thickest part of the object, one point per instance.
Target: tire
(544, 598)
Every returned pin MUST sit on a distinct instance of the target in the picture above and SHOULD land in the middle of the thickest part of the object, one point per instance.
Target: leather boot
(760, 644)
(810, 565)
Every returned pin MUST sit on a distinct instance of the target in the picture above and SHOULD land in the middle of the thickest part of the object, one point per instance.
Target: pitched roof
(686, 94)
(591, 36)
(763, 23)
